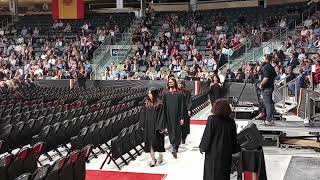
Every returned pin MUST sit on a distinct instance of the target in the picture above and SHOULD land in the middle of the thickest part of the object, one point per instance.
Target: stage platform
(280, 126)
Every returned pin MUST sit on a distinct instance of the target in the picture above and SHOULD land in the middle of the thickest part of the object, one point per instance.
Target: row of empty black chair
(24, 161)
(59, 134)
(102, 132)
(12, 133)
(71, 167)
(127, 142)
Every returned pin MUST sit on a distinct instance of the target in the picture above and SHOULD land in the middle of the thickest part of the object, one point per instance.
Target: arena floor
(280, 163)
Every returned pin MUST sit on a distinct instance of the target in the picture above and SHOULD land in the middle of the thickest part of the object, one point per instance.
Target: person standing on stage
(267, 86)
(174, 114)
(219, 142)
(153, 122)
(185, 129)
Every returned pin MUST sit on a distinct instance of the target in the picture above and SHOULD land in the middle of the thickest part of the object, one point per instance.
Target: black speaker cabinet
(250, 138)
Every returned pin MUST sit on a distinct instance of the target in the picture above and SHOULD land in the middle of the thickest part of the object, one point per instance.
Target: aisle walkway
(189, 165)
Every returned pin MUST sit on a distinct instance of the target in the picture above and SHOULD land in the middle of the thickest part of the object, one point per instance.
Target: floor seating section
(49, 119)
(71, 167)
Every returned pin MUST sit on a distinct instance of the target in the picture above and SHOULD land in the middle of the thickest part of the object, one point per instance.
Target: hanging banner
(67, 9)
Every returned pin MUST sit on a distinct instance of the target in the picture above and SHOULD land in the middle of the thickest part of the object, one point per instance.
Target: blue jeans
(268, 103)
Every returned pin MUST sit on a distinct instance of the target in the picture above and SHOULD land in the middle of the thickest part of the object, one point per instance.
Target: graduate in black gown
(174, 114)
(185, 129)
(219, 142)
(153, 122)
(81, 78)
(215, 91)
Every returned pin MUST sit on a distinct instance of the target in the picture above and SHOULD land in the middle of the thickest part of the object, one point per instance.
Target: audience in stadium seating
(183, 44)
(189, 45)
(56, 51)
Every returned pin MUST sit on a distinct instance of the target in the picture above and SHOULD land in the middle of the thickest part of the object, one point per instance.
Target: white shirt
(301, 57)
(199, 29)
(144, 29)
(304, 32)
(85, 26)
(38, 72)
(308, 22)
(43, 56)
(52, 61)
(218, 28)
(283, 24)
(168, 34)
(101, 38)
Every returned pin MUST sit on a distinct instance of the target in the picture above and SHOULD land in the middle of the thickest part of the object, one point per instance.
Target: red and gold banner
(67, 9)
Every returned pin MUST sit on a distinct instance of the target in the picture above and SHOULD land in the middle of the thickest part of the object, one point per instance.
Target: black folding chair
(54, 172)
(5, 162)
(67, 172)
(26, 176)
(41, 173)
(80, 164)
(116, 152)
(16, 167)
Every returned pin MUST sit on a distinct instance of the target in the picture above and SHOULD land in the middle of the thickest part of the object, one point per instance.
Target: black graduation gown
(174, 112)
(152, 120)
(219, 142)
(215, 92)
(188, 107)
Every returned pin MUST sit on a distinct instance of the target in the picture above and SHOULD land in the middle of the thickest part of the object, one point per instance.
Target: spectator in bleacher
(308, 22)
(240, 75)
(67, 28)
(230, 76)
(290, 74)
(281, 75)
(293, 60)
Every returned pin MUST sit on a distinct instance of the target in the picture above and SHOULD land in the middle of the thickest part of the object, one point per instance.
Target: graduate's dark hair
(156, 102)
(212, 78)
(221, 108)
(183, 83)
(175, 83)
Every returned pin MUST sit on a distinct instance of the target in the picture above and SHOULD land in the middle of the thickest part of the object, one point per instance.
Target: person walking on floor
(215, 91)
(185, 129)
(153, 122)
(219, 142)
(174, 114)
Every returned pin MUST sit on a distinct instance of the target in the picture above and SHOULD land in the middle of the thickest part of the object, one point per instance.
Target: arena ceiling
(127, 2)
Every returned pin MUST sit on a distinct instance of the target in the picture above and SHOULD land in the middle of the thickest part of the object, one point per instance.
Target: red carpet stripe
(198, 122)
(113, 175)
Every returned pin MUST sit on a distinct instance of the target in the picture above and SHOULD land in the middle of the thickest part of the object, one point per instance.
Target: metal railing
(309, 12)
(249, 44)
(102, 55)
(6, 22)
(287, 92)
(280, 34)
(257, 54)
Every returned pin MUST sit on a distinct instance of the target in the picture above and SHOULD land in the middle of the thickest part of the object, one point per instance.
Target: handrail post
(253, 55)
(284, 97)
(228, 60)
(296, 91)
